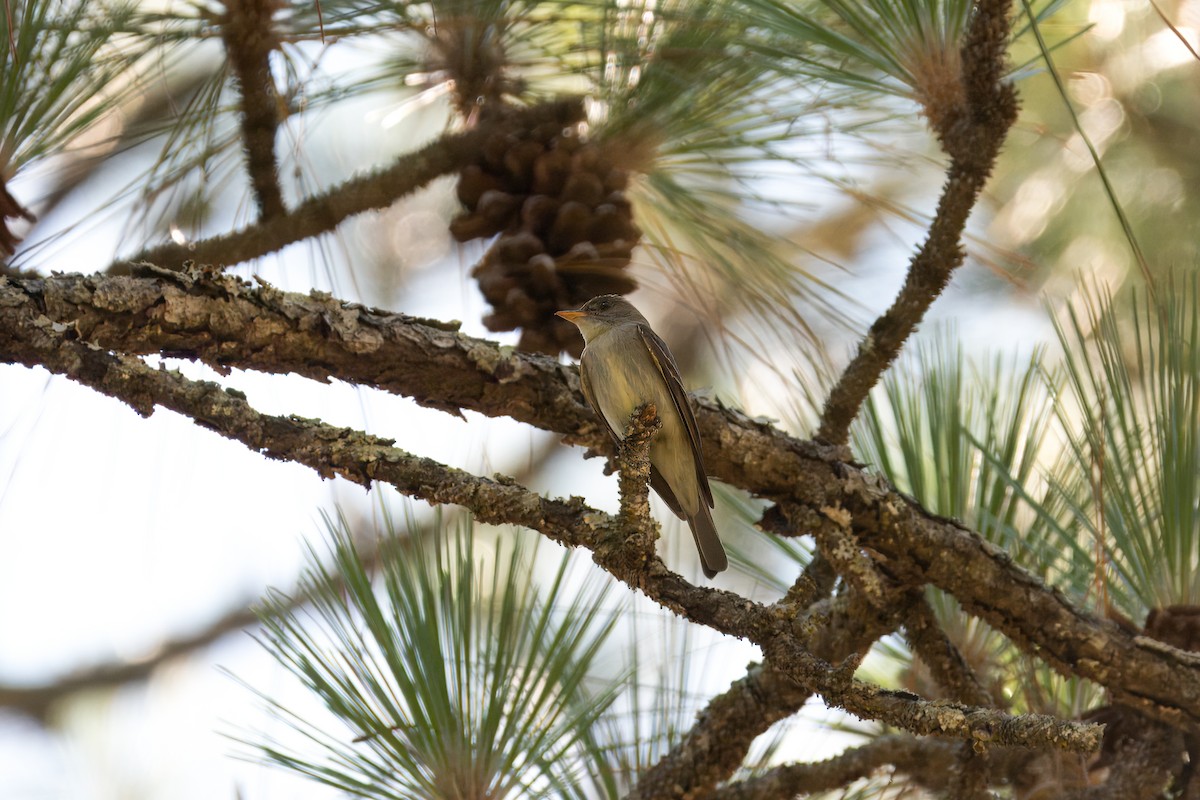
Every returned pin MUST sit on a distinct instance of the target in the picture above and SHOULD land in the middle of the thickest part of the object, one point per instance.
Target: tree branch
(717, 744)
(1143, 756)
(29, 337)
(638, 530)
(918, 758)
(970, 773)
(833, 535)
(37, 700)
(921, 547)
(972, 136)
(248, 31)
(225, 322)
(323, 213)
(946, 664)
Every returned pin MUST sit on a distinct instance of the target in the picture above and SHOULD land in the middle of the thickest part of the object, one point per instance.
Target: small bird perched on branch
(625, 365)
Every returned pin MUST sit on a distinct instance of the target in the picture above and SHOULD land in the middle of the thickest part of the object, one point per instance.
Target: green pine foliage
(64, 65)
(1130, 413)
(1085, 468)
(447, 674)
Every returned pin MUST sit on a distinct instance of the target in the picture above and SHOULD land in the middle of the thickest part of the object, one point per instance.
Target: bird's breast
(622, 377)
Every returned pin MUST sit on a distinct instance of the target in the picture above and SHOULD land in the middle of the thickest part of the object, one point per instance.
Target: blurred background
(777, 223)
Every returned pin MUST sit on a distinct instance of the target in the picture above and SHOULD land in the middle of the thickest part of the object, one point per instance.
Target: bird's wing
(659, 484)
(666, 365)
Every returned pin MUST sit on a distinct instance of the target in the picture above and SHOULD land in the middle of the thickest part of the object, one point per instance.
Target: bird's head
(602, 314)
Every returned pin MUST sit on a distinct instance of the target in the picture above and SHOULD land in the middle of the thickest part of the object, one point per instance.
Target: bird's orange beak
(570, 316)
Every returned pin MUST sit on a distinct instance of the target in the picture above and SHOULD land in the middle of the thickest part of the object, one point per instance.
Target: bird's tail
(712, 554)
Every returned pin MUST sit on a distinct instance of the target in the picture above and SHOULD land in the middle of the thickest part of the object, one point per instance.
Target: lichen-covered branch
(227, 323)
(638, 530)
(970, 773)
(1143, 757)
(717, 743)
(917, 758)
(831, 529)
(909, 712)
(28, 337)
(1037, 618)
(945, 662)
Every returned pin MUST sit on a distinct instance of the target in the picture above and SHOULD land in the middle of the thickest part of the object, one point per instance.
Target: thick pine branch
(28, 337)
(227, 323)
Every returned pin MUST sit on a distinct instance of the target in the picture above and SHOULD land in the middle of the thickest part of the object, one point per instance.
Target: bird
(625, 365)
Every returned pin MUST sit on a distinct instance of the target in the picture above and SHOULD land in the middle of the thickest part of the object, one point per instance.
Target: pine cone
(566, 231)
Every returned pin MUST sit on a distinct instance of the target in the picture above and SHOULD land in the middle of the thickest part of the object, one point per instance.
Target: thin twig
(248, 31)
(917, 758)
(972, 136)
(814, 584)
(637, 531)
(37, 700)
(945, 662)
(322, 213)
